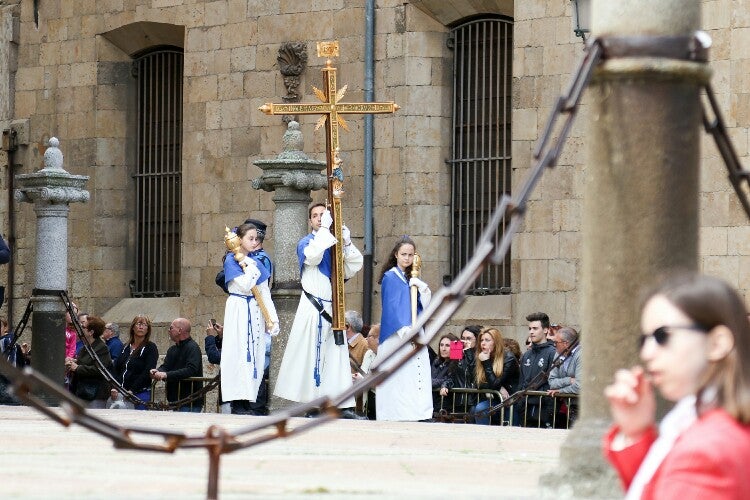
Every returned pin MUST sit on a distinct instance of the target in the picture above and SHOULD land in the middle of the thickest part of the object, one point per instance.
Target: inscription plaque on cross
(331, 110)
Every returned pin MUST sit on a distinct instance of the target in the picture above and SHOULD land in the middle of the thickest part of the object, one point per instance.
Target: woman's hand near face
(483, 356)
(632, 402)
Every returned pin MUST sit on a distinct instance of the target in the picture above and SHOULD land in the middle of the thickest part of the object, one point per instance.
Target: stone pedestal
(640, 212)
(291, 176)
(51, 190)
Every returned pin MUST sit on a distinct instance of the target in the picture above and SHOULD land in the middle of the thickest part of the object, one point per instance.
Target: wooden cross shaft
(331, 111)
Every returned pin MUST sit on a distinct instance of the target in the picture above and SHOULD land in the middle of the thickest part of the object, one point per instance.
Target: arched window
(481, 147)
(158, 172)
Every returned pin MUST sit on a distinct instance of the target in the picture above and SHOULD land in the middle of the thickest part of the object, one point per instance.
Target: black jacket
(87, 370)
(132, 368)
(463, 377)
(183, 360)
(507, 379)
(534, 361)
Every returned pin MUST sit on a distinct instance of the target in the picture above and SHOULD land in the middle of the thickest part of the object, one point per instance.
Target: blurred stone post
(640, 209)
(52, 189)
(291, 176)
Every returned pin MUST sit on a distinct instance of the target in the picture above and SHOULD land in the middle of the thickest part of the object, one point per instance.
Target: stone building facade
(66, 70)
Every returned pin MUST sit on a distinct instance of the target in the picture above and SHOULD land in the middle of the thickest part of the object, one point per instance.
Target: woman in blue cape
(407, 394)
(244, 343)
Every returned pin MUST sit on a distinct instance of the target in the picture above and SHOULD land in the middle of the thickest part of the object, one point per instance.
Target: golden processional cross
(332, 110)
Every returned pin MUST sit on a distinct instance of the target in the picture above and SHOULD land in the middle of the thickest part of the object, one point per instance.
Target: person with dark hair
(443, 368)
(137, 359)
(244, 339)
(535, 362)
(407, 394)
(695, 348)
(513, 346)
(463, 375)
(258, 253)
(88, 383)
(313, 364)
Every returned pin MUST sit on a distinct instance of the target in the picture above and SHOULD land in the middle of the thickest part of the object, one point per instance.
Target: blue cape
(262, 257)
(396, 300)
(232, 268)
(325, 264)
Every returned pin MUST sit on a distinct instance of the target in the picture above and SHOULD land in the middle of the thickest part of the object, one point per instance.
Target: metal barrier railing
(539, 409)
(530, 408)
(208, 397)
(458, 405)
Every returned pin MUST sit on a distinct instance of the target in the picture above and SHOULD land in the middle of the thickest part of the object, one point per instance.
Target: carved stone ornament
(292, 61)
(52, 184)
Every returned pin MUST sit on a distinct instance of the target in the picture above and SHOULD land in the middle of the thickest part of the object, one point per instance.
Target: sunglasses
(661, 334)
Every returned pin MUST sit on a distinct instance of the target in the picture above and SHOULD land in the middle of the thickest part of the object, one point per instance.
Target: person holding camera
(463, 375)
(407, 394)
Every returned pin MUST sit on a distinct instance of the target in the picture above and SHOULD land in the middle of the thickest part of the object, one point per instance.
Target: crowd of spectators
(494, 370)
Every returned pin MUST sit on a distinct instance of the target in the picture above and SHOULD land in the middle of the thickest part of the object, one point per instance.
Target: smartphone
(457, 349)
(212, 322)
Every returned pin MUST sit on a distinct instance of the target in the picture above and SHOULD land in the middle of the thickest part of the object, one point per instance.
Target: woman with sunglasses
(695, 351)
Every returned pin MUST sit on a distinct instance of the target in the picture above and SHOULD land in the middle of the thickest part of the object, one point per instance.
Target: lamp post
(582, 18)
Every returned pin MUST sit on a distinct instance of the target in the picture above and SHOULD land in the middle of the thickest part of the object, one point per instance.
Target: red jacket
(709, 461)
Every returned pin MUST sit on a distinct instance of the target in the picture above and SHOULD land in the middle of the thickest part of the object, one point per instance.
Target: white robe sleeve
(425, 297)
(315, 248)
(353, 260)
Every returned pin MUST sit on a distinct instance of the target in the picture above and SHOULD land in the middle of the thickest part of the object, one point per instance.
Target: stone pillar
(640, 212)
(51, 190)
(291, 175)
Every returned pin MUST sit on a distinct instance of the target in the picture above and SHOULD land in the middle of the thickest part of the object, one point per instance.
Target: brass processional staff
(332, 110)
(416, 267)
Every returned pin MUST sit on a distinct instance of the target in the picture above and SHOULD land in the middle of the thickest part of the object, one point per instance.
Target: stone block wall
(725, 238)
(546, 252)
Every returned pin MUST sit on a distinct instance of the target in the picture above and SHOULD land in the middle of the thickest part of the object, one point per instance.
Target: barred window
(158, 172)
(481, 147)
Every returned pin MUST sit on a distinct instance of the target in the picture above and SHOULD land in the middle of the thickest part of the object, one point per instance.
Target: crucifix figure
(331, 110)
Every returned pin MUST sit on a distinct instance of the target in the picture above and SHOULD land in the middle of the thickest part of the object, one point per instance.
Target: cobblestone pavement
(341, 459)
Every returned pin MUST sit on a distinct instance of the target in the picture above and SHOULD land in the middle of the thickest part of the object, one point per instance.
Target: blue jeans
(143, 396)
(480, 407)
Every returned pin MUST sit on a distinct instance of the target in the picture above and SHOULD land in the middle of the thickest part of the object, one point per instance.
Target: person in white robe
(244, 344)
(313, 365)
(406, 395)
